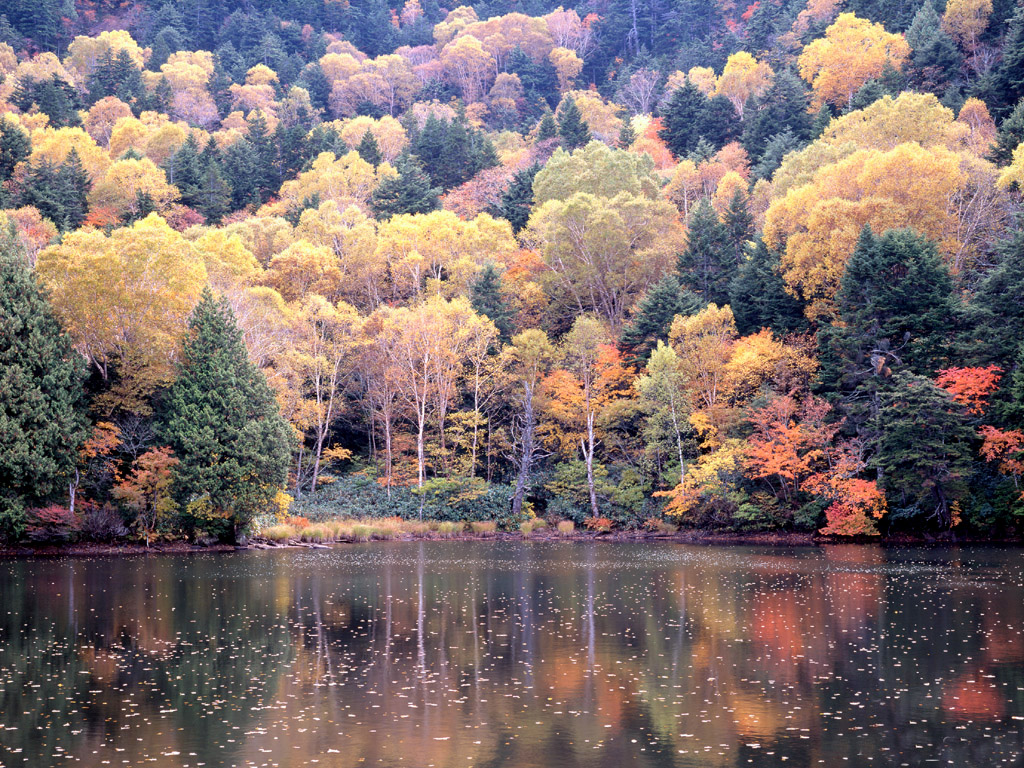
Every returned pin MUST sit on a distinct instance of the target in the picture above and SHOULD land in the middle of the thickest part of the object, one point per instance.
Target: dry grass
(278, 533)
(566, 527)
(484, 527)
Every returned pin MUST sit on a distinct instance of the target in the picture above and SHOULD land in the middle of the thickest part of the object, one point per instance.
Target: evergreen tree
(654, 315)
(223, 424)
(896, 300)
(923, 455)
(739, 224)
(242, 172)
(547, 129)
(776, 148)
(1008, 81)
(758, 296)
(517, 200)
(627, 135)
(1009, 136)
(184, 170)
(214, 199)
(53, 96)
(42, 422)
(60, 193)
(485, 296)
(934, 58)
(708, 263)
(368, 149)
(408, 192)
(681, 117)
(572, 130)
(14, 147)
(783, 109)
(994, 322)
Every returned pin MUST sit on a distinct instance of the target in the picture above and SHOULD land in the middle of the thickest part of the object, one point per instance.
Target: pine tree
(485, 296)
(547, 129)
(42, 422)
(223, 424)
(776, 148)
(708, 263)
(73, 191)
(368, 149)
(517, 201)
(758, 296)
(653, 317)
(408, 192)
(572, 130)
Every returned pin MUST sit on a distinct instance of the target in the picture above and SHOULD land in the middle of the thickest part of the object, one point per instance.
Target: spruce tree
(922, 451)
(368, 149)
(1009, 136)
(739, 224)
(758, 295)
(42, 422)
(408, 192)
(681, 118)
(184, 170)
(1008, 81)
(14, 148)
(994, 322)
(547, 129)
(776, 148)
(485, 296)
(934, 58)
(708, 263)
(517, 201)
(572, 130)
(223, 424)
(654, 315)
(627, 135)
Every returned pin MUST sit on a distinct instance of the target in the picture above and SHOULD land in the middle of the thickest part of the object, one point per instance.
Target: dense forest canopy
(738, 267)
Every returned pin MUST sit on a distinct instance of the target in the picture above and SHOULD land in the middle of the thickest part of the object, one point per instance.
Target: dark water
(526, 655)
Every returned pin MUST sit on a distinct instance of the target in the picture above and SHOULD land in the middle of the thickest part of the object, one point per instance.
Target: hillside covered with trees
(733, 267)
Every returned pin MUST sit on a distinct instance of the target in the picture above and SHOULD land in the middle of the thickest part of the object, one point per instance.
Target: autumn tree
(223, 425)
(852, 52)
(147, 490)
(531, 353)
(42, 419)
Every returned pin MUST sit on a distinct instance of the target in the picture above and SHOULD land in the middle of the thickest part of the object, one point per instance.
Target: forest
(637, 264)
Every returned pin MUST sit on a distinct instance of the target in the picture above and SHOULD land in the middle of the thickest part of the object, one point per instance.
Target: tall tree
(654, 315)
(485, 296)
(42, 422)
(708, 263)
(223, 424)
(758, 295)
(531, 354)
(572, 129)
(408, 192)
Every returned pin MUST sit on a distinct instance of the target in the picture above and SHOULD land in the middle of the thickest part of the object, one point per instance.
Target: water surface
(534, 655)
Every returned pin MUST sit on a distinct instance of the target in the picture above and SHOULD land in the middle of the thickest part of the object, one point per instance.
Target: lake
(533, 654)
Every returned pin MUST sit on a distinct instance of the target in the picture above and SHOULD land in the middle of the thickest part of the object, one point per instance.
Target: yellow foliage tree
(852, 52)
(127, 183)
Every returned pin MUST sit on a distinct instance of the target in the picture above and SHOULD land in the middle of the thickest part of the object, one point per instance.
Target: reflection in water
(488, 654)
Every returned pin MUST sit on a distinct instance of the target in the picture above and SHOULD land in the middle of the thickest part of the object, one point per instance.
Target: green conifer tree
(368, 149)
(485, 296)
(517, 201)
(653, 317)
(572, 130)
(758, 295)
(547, 129)
(42, 422)
(223, 423)
(708, 263)
(408, 192)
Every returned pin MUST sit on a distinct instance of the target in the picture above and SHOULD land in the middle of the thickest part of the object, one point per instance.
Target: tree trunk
(527, 457)
(588, 454)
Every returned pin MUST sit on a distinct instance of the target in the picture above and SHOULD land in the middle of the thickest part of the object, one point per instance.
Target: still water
(516, 654)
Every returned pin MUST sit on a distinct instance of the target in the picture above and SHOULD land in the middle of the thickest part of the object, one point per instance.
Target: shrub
(316, 533)
(52, 523)
(102, 522)
(483, 526)
(566, 527)
(296, 521)
(599, 524)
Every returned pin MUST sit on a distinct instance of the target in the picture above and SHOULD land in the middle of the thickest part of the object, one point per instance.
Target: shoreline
(709, 538)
